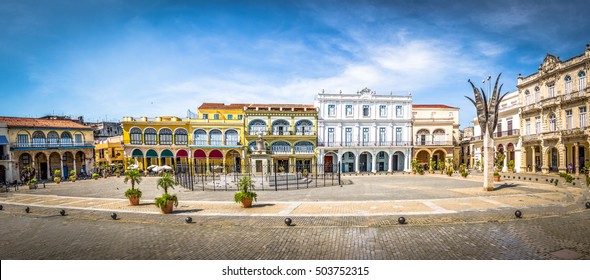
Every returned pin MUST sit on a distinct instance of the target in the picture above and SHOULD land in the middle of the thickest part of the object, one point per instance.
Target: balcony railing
(433, 143)
(304, 150)
(216, 142)
(265, 132)
(506, 133)
(4, 157)
(365, 144)
(281, 150)
(531, 137)
(37, 145)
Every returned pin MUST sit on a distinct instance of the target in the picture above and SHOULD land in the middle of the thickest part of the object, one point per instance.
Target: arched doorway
(233, 161)
(215, 161)
(151, 158)
(330, 162)
(68, 159)
(365, 162)
(348, 160)
(398, 161)
(423, 158)
(200, 161)
(167, 157)
(382, 161)
(54, 163)
(81, 162)
(42, 165)
(181, 157)
(554, 160)
(137, 154)
(438, 156)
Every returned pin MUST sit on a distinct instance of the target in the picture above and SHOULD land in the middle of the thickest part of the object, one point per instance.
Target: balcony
(531, 107)
(365, 144)
(280, 133)
(280, 150)
(551, 101)
(304, 150)
(216, 142)
(551, 135)
(433, 143)
(532, 137)
(48, 146)
(506, 133)
(572, 97)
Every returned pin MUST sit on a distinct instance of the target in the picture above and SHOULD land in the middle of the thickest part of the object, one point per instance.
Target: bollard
(401, 220)
(188, 220)
(288, 221)
(518, 214)
(27, 209)
(114, 216)
(62, 212)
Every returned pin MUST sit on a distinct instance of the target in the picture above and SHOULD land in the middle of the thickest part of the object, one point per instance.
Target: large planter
(247, 203)
(133, 200)
(168, 208)
(496, 178)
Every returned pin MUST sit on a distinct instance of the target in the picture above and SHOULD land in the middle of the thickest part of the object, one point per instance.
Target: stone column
(576, 159)
(75, 166)
(488, 165)
(534, 163)
(545, 160)
(561, 150)
(356, 163)
(390, 162)
(504, 164)
(374, 163)
(61, 160)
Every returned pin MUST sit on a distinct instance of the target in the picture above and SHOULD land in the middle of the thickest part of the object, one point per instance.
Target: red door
(328, 164)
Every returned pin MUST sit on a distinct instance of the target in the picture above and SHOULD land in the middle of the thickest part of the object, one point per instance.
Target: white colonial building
(506, 135)
(364, 132)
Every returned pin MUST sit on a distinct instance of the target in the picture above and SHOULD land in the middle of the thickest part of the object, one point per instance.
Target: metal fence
(272, 177)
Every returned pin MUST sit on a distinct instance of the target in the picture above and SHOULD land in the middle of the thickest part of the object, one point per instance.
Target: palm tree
(133, 176)
(487, 116)
(166, 181)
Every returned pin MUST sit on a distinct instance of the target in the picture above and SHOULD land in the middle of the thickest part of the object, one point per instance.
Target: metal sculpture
(487, 116)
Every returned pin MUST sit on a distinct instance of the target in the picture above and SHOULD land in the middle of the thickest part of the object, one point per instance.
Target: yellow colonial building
(554, 119)
(109, 151)
(217, 138)
(49, 144)
(157, 141)
(436, 132)
(289, 132)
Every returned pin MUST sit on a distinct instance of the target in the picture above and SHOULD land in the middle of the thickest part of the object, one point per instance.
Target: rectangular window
(551, 91)
(398, 136)
(239, 117)
(366, 111)
(78, 138)
(349, 110)
(101, 153)
(538, 125)
(383, 110)
(398, 111)
(331, 110)
(568, 119)
(537, 95)
(499, 130)
(382, 136)
(230, 117)
(509, 121)
(112, 152)
(22, 140)
(528, 127)
(583, 117)
(330, 137)
(365, 136)
(215, 116)
(581, 82)
(348, 136)
(26, 159)
(165, 139)
(205, 116)
(527, 99)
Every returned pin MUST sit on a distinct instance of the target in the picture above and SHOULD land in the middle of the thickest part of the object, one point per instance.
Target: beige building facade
(554, 119)
(436, 133)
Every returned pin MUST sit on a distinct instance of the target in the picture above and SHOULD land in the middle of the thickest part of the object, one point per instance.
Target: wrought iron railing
(365, 144)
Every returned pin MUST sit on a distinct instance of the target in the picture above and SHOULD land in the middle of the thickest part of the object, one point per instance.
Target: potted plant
(304, 173)
(441, 166)
(511, 166)
(282, 169)
(414, 166)
(166, 202)
(244, 195)
(450, 172)
(73, 175)
(95, 176)
(477, 165)
(464, 173)
(32, 184)
(57, 176)
(118, 173)
(420, 170)
(432, 166)
(496, 176)
(133, 194)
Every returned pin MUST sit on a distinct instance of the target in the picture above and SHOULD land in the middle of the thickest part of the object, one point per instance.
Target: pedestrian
(571, 168)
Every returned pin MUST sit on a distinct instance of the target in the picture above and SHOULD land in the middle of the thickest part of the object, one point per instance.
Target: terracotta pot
(133, 200)
(247, 203)
(168, 208)
(73, 180)
(496, 178)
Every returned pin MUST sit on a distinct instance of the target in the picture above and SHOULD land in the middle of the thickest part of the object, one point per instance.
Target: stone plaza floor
(448, 218)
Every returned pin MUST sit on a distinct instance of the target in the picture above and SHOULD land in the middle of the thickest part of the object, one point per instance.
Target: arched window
(38, 139)
(552, 124)
(215, 136)
(150, 136)
(257, 126)
(231, 138)
(537, 94)
(66, 139)
(304, 147)
(180, 137)
(581, 81)
(280, 127)
(422, 136)
(280, 147)
(439, 137)
(165, 136)
(200, 137)
(527, 98)
(135, 136)
(568, 85)
(304, 127)
(53, 139)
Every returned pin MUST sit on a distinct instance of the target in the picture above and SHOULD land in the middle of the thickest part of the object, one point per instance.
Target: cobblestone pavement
(83, 234)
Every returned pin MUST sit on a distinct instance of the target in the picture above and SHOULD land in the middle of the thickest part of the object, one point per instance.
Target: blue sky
(109, 59)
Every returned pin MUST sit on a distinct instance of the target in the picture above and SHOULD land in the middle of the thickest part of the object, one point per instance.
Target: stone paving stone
(465, 204)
